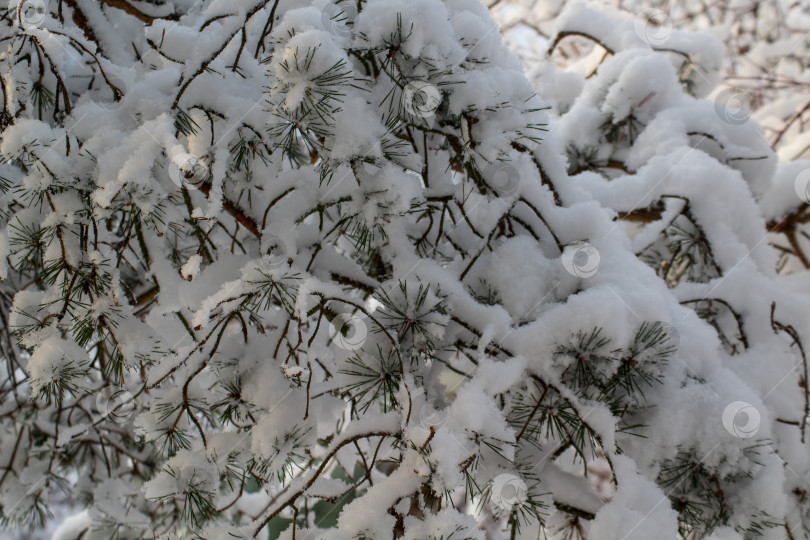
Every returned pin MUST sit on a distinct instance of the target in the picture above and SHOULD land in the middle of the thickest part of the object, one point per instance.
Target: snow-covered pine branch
(333, 270)
(764, 75)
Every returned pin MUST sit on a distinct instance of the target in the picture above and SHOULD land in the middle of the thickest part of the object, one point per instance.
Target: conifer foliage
(325, 269)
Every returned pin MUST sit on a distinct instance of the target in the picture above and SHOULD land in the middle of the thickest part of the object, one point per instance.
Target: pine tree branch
(128, 8)
(544, 178)
(804, 383)
(562, 35)
(578, 512)
(204, 65)
(306, 483)
(241, 217)
(737, 317)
